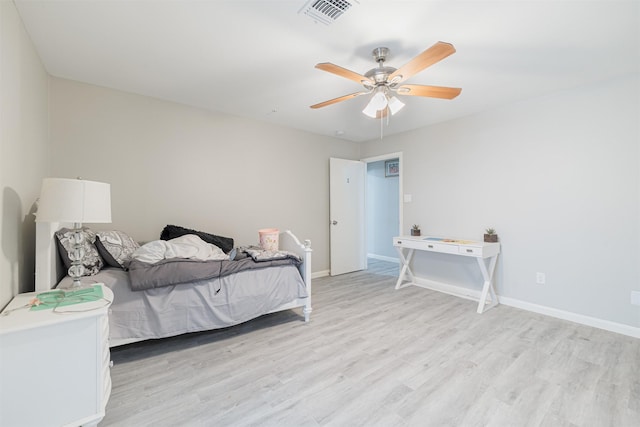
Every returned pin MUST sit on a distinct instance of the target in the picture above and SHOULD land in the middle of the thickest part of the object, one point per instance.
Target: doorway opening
(383, 208)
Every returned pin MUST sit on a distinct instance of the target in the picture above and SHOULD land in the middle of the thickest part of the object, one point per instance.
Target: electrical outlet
(540, 278)
(635, 297)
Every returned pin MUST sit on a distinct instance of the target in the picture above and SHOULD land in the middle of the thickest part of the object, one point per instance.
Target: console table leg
(487, 288)
(405, 267)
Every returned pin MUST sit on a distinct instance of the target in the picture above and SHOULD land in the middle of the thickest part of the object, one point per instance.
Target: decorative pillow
(115, 247)
(92, 262)
(173, 231)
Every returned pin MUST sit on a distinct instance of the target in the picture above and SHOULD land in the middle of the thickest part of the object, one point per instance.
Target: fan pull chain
(382, 123)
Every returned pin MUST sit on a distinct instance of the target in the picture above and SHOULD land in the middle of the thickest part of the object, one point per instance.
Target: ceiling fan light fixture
(378, 102)
(395, 105)
(370, 111)
(384, 82)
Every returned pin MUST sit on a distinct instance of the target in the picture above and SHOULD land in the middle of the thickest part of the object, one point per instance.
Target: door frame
(389, 156)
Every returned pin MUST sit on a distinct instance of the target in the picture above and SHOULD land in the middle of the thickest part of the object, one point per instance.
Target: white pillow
(188, 246)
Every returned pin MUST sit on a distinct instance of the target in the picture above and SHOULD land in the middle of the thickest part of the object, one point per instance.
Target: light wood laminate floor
(374, 356)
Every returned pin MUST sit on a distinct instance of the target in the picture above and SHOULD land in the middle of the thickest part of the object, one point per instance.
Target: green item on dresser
(61, 298)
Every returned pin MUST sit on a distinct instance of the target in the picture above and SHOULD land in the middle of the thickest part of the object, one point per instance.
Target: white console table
(406, 245)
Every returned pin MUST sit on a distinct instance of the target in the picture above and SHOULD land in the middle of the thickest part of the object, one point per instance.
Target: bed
(198, 305)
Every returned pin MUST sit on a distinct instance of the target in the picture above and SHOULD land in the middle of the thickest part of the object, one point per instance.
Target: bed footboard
(289, 242)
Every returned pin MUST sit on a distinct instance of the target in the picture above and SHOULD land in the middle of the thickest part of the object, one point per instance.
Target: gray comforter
(177, 271)
(203, 305)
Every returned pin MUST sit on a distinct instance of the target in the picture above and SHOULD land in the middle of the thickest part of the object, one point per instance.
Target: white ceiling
(256, 58)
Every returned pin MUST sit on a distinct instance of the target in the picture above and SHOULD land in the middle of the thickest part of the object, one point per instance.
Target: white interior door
(346, 215)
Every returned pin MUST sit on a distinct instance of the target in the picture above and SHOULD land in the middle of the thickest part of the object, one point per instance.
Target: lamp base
(76, 255)
(74, 286)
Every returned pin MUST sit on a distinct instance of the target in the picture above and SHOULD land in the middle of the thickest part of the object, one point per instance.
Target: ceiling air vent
(326, 11)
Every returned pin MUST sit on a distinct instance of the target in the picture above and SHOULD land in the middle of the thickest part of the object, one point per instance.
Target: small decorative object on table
(490, 235)
(415, 230)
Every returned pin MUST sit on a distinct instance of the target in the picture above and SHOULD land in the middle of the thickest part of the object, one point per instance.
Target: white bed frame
(49, 267)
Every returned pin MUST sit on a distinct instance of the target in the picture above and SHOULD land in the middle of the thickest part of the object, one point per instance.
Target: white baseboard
(384, 258)
(473, 294)
(607, 325)
(318, 274)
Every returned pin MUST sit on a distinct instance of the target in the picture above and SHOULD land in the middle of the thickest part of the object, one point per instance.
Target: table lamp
(74, 201)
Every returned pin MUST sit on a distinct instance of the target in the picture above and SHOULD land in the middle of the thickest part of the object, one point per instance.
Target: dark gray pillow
(173, 231)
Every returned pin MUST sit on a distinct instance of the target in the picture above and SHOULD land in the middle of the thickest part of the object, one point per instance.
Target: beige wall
(558, 177)
(172, 164)
(23, 151)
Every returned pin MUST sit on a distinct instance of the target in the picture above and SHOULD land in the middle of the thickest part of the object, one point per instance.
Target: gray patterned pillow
(115, 247)
(92, 262)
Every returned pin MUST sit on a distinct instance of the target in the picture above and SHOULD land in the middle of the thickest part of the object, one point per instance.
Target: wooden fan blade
(336, 100)
(429, 91)
(343, 72)
(434, 54)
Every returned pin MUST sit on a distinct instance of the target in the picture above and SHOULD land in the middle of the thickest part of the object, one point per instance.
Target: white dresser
(54, 367)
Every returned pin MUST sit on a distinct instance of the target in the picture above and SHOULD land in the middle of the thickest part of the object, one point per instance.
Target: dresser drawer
(440, 247)
(425, 245)
(475, 251)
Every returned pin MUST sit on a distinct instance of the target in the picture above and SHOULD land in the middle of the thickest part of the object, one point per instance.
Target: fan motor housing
(380, 74)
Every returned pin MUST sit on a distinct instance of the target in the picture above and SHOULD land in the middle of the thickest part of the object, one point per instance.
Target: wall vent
(326, 11)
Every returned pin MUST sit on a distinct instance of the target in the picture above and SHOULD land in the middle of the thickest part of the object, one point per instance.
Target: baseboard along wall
(473, 294)
(384, 258)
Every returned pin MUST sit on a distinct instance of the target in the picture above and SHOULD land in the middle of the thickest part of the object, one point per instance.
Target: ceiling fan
(384, 82)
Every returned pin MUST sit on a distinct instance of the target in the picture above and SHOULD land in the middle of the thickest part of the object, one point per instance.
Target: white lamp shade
(74, 200)
(395, 105)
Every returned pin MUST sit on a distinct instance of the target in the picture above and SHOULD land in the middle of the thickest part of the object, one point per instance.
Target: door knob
(334, 222)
